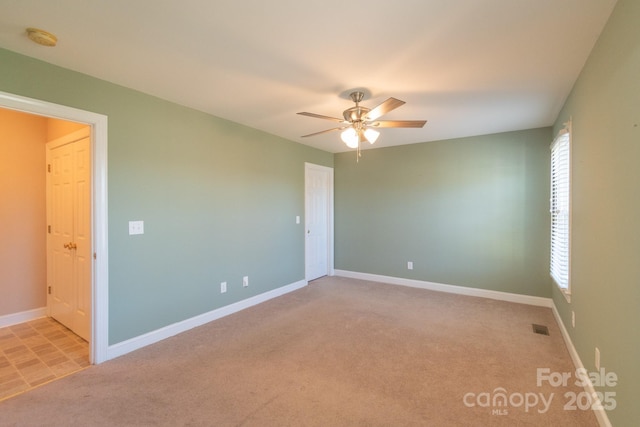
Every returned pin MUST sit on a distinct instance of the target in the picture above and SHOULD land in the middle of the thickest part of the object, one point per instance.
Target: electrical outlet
(409, 265)
(245, 281)
(573, 318)
(597, 359)
(223, 287)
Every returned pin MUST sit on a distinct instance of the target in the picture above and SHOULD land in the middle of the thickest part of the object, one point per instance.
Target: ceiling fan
(360, 122)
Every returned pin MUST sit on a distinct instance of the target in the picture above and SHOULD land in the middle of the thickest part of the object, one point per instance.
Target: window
(560, 205)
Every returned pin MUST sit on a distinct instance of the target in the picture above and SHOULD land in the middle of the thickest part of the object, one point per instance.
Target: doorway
(98, 349)
(318, 214)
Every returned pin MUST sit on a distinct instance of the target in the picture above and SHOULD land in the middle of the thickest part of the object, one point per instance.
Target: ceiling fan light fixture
(358, 120)
(350, 137)
(371, 135)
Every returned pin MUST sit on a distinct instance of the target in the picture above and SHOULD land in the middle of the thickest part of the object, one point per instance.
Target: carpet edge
(452, 289)
(132, 344)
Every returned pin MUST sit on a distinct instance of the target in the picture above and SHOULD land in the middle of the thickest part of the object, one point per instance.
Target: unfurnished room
(409, 213)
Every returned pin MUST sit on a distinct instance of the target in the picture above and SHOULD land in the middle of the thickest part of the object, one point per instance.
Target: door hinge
(49, 229)
(49, 290)
(94, 255)
(49, 167)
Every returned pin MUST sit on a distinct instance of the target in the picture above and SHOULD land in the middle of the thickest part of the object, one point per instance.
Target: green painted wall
(219, 200)
(605, 254)
(469, 212)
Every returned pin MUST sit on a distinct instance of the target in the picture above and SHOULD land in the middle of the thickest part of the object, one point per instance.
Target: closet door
(318, 213)
(69, 234)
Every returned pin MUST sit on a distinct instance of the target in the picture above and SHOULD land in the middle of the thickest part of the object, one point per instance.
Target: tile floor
(36, 352)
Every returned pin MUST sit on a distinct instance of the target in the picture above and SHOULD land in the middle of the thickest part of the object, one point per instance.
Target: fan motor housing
(355, 114)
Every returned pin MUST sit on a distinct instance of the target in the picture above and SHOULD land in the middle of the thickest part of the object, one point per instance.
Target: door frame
(100, 275)
(330, 237)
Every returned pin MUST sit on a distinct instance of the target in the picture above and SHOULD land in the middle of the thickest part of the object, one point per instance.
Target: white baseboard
(452, 289)
(152, 337)
(23, 316)
(601, 414)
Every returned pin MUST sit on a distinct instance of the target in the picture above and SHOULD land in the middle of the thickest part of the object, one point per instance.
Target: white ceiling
(469, 67)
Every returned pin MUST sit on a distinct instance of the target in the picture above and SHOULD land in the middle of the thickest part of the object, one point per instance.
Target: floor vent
(540, 329)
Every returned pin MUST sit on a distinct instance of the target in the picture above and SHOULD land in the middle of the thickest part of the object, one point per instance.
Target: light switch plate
(136, 227)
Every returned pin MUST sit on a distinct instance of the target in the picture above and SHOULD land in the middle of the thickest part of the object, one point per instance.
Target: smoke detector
(42, 37)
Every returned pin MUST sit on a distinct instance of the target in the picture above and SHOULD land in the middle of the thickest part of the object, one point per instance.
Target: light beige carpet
(339, 352)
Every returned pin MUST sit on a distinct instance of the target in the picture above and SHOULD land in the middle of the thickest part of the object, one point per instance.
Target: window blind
(560, 204)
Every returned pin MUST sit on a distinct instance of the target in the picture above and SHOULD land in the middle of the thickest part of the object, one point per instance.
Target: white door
(318, 221)
(69, 233)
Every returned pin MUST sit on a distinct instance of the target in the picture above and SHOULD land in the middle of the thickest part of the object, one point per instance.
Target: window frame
(560, 211)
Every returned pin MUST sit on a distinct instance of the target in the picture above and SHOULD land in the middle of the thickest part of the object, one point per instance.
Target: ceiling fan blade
(384, 108)
(324, 131)
(398, 123)
(319, 116)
